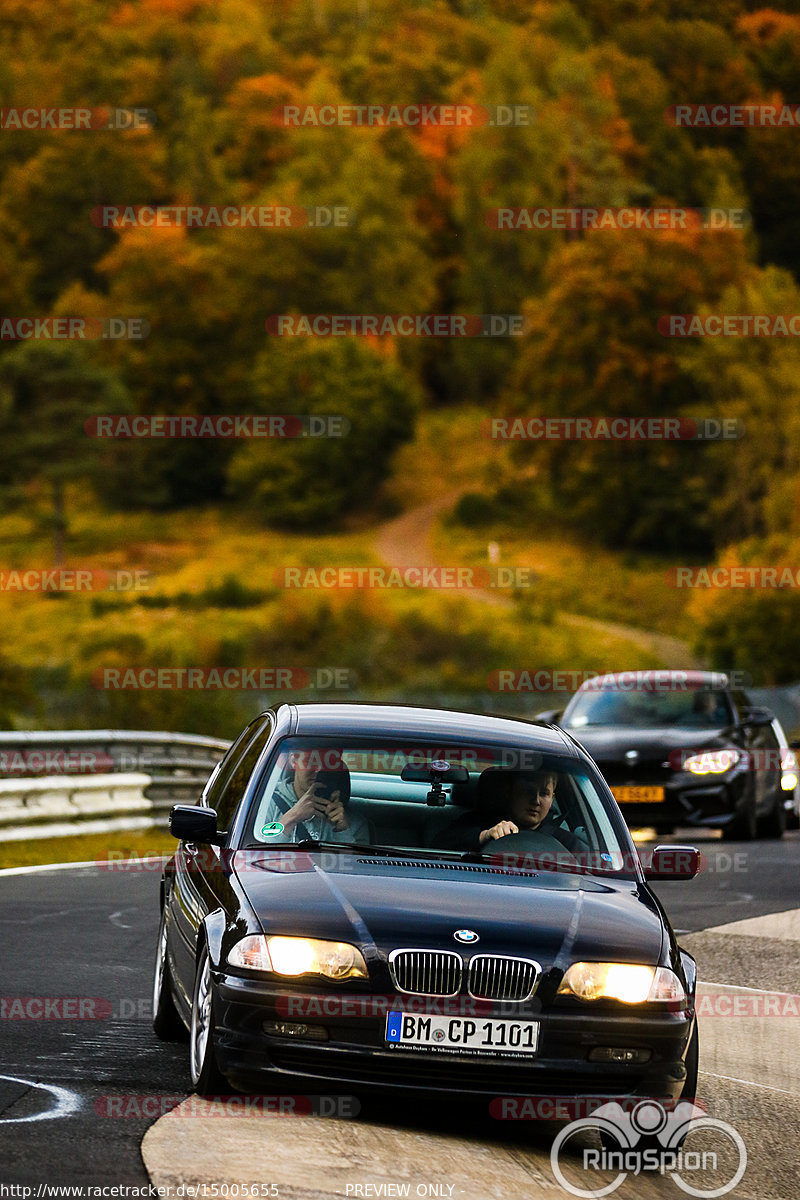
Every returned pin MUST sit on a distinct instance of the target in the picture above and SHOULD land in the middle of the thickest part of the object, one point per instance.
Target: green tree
(754, 629)
(755, 381)
(313, 481)
(596, 351)
(48, 391)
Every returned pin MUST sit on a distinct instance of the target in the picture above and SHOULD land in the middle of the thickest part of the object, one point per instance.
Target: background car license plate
(638, 795)
(462, 1033)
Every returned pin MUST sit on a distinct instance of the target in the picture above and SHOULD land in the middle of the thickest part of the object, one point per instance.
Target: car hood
(610, 743)
(553, 917)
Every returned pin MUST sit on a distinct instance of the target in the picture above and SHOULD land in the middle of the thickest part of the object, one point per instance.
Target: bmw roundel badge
(466, 935)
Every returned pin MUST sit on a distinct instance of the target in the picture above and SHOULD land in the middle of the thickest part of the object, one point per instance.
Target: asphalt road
(80, 933)
(89, 934)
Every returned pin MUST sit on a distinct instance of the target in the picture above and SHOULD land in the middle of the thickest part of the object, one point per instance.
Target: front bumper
(356, 1055)
(690, 801)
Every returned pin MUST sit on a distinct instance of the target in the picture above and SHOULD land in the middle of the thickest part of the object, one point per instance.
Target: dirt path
(406, 541)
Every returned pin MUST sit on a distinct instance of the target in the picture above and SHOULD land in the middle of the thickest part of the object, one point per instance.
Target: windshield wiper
(388, 851)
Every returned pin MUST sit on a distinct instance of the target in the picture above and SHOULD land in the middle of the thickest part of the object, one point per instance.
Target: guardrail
(68, 781)
(62, 805)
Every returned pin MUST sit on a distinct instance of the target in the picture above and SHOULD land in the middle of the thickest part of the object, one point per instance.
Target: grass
(449, 456)
(212, 595)
(90, 847)
(571, 576)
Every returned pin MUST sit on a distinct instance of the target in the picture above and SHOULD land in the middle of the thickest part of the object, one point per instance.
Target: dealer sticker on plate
(473, 1034)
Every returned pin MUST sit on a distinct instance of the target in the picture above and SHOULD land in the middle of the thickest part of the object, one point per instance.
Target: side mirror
(673, 862)
(193, 823)
(550, 716)
(757, 717)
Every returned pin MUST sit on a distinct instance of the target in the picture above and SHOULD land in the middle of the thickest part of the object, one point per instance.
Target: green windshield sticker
(272, 830)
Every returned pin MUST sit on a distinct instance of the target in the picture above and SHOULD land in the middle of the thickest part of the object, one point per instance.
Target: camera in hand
(328, 782)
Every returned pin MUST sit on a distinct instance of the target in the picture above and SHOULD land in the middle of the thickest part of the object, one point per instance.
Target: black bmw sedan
(683, 748)
(385, 897)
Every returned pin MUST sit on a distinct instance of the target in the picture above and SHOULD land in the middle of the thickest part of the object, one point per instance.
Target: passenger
(307, 806)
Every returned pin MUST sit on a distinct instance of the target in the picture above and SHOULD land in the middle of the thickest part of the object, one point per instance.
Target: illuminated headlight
(789, 768)
(712, 762)
(294, 956)
(627, 982)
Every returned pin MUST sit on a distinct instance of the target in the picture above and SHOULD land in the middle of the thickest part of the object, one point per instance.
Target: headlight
(712, 762)
(628, 982)
(789, 769)
(293, 956)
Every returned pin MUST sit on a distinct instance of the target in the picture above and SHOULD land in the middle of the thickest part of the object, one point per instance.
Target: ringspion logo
(649, 1138)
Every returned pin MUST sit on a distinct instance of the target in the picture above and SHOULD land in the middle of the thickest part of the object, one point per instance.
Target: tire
(773, 825)
(688, 1094)
(207, 1079)
(689, 1089)
(166, 1020)
(745, 827)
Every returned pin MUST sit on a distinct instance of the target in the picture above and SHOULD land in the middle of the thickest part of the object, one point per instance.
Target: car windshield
(480, 802)
(645, 709)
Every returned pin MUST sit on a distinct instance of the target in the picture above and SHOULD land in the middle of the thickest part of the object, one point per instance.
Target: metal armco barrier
(60, 805)
(82, 776)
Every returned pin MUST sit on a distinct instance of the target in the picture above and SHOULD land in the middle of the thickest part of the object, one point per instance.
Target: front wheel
(773, 825)
(651, 1142)
(745, 827)
(166, 1021)
(207, 1079)
(689, 1089)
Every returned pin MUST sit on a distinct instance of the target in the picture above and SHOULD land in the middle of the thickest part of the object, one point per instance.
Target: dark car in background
(388, 956)
(684, 748)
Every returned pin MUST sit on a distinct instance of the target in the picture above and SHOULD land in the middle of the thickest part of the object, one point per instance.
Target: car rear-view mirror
(427, 773)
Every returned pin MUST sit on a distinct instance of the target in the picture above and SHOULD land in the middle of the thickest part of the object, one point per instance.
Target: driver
(532, 798)
(528, 808)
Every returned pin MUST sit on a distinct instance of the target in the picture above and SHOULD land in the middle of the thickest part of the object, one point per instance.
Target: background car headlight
(712, 762)
(295, 956)
(629, 982)
(789, 770)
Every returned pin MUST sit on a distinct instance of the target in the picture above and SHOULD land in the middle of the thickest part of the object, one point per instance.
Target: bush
(311, 481)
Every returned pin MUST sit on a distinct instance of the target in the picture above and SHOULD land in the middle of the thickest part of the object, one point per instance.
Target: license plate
(638, 795)
(462, 1033)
